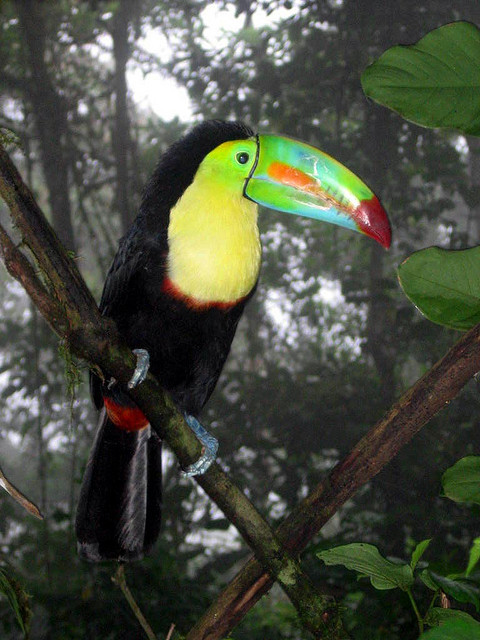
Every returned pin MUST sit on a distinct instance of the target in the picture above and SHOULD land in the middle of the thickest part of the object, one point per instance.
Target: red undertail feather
(126, 418)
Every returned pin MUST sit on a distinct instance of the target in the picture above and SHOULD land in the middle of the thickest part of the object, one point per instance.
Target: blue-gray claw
(210, 448)
(141, 368)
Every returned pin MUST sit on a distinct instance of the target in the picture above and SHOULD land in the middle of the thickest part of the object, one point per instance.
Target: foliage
(435, 83)
(461, 482)
(460, 629)
(444, 285)
(367, 561)
(17, 599)
(384, 574)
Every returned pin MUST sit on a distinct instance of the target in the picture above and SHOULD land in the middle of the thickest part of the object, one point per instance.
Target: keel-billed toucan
(177, 287)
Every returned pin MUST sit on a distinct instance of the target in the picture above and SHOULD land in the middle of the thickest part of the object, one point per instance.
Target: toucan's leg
(210, 448)
(141, 368)
(210, 444)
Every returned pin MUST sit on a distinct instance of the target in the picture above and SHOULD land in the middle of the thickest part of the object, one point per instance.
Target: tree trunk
(380, 326)
(50, 118)
(121, 134)
(42, 465)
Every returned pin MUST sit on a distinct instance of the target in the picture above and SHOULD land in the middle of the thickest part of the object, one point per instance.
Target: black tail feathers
(119, 510)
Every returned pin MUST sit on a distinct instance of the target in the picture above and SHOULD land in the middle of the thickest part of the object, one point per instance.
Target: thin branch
(19, 496)
(20, 268)
(383, 441)
(119, 579)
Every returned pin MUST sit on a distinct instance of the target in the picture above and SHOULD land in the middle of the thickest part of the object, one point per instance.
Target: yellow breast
(214, 243)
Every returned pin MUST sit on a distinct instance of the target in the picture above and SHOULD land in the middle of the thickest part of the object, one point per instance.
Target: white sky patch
(164, 95)
(339, 320)
(331, 292)
(279, 309)
(461, 145)
(15, 438)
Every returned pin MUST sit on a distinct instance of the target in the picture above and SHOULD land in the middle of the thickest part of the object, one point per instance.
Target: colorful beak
(294, 177)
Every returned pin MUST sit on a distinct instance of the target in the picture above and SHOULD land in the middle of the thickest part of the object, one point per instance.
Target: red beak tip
(383, 236)
(372, 220)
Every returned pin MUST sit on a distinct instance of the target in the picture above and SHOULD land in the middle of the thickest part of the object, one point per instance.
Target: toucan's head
(277, 172)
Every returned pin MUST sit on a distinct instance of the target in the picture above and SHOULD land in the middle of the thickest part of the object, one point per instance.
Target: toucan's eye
(242, 157)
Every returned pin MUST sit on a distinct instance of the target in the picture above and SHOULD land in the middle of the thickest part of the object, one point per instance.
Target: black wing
(138, 256)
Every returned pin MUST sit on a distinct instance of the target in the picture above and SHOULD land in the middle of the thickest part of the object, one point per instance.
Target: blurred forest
(325, 347)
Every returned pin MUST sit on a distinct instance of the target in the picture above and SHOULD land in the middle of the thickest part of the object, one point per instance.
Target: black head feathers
(178, 165)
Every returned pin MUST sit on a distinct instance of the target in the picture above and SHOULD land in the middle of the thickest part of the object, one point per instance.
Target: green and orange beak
(294, 177)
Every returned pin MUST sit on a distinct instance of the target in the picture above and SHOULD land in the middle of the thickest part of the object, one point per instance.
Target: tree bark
(121, 135)
(380, 328)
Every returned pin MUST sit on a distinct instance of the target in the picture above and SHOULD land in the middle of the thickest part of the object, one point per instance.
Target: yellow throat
(214, 243)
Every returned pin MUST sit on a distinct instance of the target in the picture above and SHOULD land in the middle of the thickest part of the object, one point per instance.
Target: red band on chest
(126, 418)
(171, 289)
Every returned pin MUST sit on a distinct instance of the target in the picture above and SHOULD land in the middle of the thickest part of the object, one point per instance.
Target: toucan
(177, 288)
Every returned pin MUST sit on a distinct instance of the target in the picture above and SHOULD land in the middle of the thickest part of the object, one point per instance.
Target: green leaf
(418, 552)
(367, 561)
(461, 589)
(435, 82)
(473, 557)
(459, 629)
(427, 580)
(444, 285)
(17, 598)
(437, 616)
(461, 482)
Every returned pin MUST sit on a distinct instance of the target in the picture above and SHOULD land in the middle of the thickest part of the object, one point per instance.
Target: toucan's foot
(141, 368)
(210, 448)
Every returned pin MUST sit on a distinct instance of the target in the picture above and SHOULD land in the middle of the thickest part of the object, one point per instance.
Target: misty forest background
(325, 347)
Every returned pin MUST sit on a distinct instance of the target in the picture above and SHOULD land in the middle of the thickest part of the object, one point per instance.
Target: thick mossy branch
(96, 340)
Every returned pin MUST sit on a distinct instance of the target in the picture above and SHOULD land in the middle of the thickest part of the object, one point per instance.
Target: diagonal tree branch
(20, 268)
(382, 442)
(96, 339)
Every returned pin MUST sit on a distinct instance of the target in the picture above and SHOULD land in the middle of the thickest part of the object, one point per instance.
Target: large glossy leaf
(438, 616)
(444, 285)
(435, 82)
(418, 552)
(461, 482)
(367, 561)
(458, 629)
(462, 590)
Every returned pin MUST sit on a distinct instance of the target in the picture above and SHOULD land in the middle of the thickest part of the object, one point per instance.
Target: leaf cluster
(460, 484)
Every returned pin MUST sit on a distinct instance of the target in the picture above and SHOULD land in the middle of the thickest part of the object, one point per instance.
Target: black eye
(242, 157)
